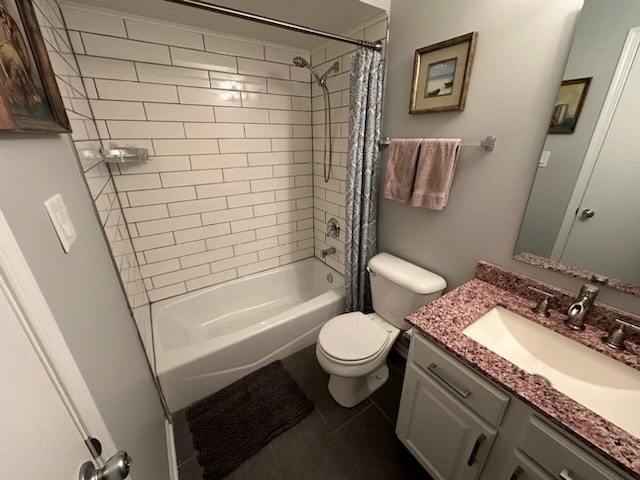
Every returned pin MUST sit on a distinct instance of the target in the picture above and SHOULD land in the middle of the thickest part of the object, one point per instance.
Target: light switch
(61, 220)
(544, 158)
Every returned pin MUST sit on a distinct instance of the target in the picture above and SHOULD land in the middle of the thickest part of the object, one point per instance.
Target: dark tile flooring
(331, 443)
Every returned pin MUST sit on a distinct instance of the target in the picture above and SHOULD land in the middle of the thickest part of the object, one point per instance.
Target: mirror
(583, 215)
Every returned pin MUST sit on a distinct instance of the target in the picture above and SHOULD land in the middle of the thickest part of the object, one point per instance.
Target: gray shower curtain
(365, 112)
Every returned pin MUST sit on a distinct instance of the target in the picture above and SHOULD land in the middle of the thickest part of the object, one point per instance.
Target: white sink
(608, 387)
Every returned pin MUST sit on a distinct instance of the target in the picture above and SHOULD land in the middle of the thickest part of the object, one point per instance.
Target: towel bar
(488, 143)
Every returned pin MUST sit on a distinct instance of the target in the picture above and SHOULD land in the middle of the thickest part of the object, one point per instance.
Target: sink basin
(608, 387)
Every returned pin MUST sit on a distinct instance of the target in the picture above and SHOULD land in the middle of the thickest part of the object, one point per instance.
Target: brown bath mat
(231, 425)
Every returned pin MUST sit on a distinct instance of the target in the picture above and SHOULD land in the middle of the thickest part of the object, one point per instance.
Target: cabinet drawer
(559, 456)
(467, 386)
(522, 468)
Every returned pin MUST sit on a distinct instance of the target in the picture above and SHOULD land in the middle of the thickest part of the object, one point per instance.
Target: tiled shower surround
(230, 189)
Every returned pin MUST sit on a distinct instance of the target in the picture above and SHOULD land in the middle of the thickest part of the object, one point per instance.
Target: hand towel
(434, 173)
(401, 169)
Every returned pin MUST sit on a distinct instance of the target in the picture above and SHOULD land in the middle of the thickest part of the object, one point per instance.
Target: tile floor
(331, 443)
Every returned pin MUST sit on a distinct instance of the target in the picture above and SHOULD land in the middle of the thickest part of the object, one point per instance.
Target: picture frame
(441, 74)
(569, 102)
(30, 100)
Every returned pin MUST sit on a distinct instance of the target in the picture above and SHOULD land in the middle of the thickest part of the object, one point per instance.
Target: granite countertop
(443, 320)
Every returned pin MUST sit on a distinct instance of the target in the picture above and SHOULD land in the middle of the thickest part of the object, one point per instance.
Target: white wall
(82, 288)
(520, 56)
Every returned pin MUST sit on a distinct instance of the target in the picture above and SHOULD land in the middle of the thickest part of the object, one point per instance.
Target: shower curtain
(362, 175)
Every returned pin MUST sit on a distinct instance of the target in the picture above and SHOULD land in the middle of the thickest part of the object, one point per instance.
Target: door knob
(587, 213)
(116, 468)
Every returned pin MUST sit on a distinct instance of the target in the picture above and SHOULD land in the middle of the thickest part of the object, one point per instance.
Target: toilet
(352, 348)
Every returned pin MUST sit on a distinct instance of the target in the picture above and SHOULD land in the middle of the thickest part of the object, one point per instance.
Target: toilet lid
(352, 337)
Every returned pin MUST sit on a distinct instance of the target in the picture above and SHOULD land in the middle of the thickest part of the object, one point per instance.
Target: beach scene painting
(440, 77)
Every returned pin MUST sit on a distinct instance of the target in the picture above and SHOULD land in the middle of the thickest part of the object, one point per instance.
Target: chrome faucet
(328, 251)
(579, 309)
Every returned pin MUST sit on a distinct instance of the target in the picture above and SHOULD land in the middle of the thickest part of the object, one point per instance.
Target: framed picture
(571, 95)
(441, 75)
(29, 96)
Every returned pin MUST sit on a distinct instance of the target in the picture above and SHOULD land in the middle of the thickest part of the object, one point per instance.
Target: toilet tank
(399, 287)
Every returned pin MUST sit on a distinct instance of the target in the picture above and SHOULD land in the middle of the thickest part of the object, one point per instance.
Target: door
(47, 409)
(39, 437)
(608, 217)
(450, 442)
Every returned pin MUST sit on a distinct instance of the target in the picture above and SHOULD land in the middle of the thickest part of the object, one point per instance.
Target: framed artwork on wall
(441, 75)
(566, 111)
(29, 97)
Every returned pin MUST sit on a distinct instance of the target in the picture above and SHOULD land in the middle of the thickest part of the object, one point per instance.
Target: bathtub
(207, 339)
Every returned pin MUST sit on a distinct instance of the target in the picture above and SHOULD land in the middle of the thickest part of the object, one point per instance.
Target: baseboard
(171, 451)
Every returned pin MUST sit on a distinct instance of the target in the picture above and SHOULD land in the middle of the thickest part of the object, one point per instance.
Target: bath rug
(231, 425)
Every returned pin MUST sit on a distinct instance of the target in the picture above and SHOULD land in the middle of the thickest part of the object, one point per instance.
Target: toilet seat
(352, 338)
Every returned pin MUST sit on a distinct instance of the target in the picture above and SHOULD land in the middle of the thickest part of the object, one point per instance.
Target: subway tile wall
(329, 197)
(86, 137)
(229, 190)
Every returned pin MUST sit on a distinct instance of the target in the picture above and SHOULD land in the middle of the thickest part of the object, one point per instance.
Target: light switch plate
(544, 158)
(61, 220)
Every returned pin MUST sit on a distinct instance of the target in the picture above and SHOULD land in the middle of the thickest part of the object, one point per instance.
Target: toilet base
(350, 391)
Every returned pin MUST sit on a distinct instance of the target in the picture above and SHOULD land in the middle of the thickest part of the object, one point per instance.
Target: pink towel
(401, 169)
(434, 173)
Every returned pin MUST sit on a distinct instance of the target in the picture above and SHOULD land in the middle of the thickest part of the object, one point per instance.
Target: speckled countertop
(443, 320)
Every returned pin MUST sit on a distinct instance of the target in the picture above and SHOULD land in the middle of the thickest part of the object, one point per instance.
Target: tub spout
(328, 251)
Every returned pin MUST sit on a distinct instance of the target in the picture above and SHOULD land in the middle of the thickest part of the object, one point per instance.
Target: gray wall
(83, 292)
(600, 35)
(520, 57)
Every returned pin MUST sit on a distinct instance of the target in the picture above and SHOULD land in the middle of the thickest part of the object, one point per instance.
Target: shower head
(300, 62)
(320, 79)
(335, 68)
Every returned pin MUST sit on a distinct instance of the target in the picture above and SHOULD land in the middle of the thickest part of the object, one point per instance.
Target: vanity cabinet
(460, 426)
(447, 417)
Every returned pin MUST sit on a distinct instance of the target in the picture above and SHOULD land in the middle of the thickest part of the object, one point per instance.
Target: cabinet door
(449, 441)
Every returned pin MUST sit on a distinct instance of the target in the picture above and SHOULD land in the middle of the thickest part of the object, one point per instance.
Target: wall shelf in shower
(125, 155)
(117, 154)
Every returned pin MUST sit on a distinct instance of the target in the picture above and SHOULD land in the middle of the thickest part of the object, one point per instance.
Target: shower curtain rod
(275, 23)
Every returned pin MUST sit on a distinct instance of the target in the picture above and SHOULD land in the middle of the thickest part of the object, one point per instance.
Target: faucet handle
(542, 308)
(616, 336)
(630, 325)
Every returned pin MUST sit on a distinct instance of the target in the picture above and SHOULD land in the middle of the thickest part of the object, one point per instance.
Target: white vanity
(460, 426)
(467, 413)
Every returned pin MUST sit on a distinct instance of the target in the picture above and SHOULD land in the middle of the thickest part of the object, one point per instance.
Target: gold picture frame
(571, 96)
(29, 97)
(441, 74)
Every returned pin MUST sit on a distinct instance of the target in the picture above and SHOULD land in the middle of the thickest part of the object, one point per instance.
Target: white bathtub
(210, 338)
